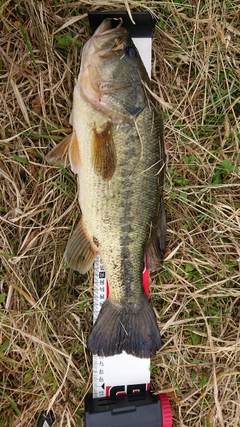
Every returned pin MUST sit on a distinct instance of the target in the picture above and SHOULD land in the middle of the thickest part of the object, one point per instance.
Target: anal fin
(80, 253)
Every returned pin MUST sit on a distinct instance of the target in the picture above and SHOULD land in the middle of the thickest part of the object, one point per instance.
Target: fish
(117, 151)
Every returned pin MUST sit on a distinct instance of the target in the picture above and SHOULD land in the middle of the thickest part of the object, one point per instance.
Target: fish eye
(130, 51)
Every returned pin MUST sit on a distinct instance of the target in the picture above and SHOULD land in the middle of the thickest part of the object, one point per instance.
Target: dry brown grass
(46, 309)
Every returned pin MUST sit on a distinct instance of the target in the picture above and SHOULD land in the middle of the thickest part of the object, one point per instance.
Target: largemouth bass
(117, 150)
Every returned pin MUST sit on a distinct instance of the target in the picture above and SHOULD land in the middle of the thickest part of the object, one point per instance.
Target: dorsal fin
(155, 248)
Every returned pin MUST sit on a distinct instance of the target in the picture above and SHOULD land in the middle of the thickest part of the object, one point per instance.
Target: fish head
(112, 73)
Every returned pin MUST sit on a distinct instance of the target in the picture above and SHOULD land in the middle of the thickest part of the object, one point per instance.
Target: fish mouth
(108, 39)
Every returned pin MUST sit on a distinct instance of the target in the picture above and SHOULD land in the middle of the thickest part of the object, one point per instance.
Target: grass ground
(46, 308)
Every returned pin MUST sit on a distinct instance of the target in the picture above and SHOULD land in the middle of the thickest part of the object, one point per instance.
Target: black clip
(46, 419)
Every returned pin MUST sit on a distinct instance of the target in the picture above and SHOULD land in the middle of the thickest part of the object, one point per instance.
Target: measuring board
(121, 373)
(121, 383)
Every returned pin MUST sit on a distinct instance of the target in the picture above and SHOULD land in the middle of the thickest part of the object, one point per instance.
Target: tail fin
(125, 328)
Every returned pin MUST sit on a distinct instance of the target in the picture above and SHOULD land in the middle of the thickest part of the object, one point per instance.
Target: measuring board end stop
(128, 410)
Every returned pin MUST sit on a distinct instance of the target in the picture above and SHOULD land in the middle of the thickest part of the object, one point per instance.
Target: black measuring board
(136, 410)
(143, 27)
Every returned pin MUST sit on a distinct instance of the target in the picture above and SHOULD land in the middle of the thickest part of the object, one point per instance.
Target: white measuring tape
(122, 373)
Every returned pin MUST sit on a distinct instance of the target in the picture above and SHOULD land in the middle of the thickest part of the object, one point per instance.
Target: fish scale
(120, 208)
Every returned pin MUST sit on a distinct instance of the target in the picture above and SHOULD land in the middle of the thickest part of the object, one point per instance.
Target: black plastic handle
(133, 410)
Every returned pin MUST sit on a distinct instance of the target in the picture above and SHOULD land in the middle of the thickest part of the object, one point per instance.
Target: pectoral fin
(59, 152)
(68, 144)
(80, 253)
(74, 153)
(104, 157)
